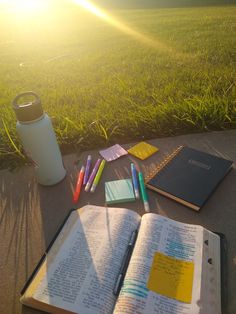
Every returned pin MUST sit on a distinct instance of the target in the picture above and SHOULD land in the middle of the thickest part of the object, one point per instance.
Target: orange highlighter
(78, 184)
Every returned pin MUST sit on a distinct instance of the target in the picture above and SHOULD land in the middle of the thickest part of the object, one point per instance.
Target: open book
(79, 272)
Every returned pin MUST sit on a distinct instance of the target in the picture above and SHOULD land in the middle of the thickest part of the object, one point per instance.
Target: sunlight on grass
(138, 35)
(106, 80)
(17, 150)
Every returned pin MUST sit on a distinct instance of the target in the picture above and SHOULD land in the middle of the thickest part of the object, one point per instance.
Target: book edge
(177, 199)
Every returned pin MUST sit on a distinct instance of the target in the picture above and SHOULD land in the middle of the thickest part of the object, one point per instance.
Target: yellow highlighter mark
(171, 277)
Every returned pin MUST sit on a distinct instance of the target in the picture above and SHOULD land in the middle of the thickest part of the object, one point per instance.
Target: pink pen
(92, 176)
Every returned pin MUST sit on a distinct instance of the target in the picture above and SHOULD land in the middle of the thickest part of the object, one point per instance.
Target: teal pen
(143, 192)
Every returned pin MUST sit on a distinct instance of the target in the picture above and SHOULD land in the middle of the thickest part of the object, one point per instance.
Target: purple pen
(86, 174)
(92, 175)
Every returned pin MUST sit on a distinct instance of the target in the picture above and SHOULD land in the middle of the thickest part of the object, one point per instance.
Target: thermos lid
(28, 110)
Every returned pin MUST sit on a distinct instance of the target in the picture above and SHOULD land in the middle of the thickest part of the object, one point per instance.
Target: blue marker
(135, 180)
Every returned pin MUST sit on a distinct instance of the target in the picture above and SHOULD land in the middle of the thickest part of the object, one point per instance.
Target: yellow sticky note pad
(142, 150)
(171, 277)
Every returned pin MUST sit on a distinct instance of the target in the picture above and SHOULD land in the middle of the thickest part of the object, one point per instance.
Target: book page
(84, 262)
(174, 239)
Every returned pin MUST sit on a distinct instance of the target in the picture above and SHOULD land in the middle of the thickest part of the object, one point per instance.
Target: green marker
(98, 175)
(143, 192)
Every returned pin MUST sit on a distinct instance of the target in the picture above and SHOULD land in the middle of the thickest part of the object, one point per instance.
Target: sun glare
(38, 8)
(25, 6)
(145, 39)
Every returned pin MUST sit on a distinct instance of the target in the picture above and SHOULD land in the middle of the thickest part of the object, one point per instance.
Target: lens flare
(148, 40)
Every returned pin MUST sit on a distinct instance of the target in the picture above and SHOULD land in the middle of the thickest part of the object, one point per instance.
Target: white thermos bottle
(35, 130)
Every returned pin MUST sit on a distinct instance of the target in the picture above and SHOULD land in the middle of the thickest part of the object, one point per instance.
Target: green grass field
(102, 85)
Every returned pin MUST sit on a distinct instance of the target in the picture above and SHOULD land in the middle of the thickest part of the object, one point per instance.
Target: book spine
(163, 164)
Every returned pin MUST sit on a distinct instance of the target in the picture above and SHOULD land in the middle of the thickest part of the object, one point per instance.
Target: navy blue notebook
(188, 176)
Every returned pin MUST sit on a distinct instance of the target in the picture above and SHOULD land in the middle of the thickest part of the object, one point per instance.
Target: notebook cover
(119, 191)
(189, 176)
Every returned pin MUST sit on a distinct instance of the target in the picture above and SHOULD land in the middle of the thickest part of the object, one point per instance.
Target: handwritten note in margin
(171, 277)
